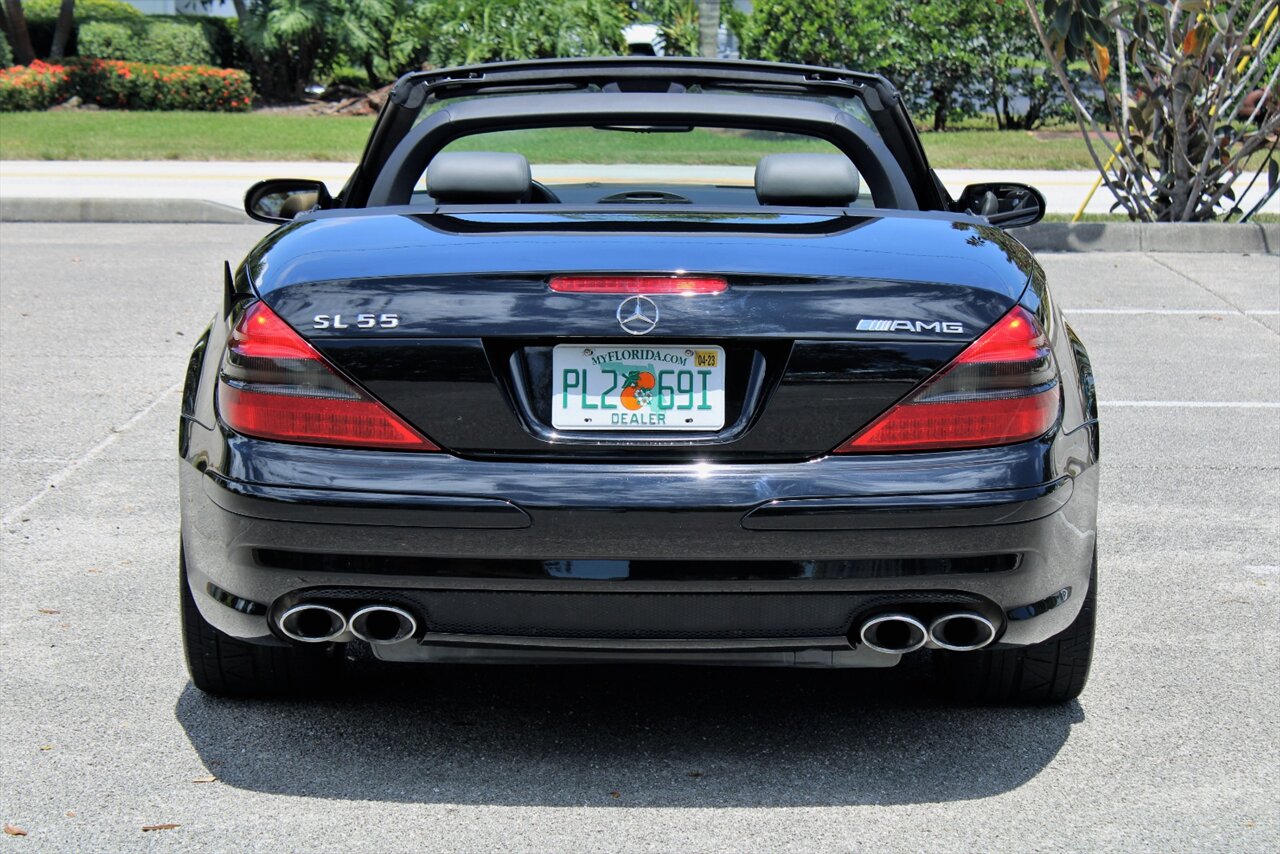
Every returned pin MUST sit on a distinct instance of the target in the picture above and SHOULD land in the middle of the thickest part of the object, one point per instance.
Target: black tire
(229, 667)
(1053, 671)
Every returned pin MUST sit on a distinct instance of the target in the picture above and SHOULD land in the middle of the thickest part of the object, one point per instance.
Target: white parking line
(1228, 310)
(1193, 404)
(1262, 569)
(89, 456)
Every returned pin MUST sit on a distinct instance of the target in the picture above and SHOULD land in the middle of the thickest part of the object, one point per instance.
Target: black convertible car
(662, 360)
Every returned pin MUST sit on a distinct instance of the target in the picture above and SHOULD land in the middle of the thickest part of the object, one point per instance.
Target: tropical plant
(385, 38)
(291, 42)
(1190, 88)
(6, 53)
(677, 22)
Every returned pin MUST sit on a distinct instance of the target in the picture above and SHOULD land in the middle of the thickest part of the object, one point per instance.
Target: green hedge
(126, 85)
(220, 45)
(222, 35)
(109, 40)
(42, 17)
(34, 87)
(165, 42)
(46, 11)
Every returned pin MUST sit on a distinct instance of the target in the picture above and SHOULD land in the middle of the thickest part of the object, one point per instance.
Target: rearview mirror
(1007, 205)
(282, 199)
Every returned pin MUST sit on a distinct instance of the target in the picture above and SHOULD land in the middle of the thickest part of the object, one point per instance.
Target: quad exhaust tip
(894, 633)
(379, 624)
(312, 623)
(962, 631)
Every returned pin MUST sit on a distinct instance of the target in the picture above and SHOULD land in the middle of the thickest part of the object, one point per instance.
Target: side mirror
(282, 199)
(1005, 205)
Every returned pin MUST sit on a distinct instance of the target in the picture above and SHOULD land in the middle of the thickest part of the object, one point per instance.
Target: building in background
(217, 9)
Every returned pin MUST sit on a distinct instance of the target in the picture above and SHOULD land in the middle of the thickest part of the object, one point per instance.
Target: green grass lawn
(111, 135)
(118, 135)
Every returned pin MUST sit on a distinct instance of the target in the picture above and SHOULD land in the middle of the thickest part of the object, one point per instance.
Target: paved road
(1172, 747)
(226, 182)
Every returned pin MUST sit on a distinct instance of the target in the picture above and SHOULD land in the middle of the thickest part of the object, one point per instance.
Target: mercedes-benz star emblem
(638, 315)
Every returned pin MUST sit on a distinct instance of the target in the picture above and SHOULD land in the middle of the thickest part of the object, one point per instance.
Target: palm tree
(15, 27)
(62, 30)
(708, 27)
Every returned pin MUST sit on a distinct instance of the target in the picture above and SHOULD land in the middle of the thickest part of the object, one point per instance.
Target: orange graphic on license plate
(638, 390)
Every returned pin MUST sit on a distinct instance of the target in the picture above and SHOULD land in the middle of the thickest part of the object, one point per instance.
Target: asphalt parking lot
(1173, 746)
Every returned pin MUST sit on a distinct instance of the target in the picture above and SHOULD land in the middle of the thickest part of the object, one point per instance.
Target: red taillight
(274, 385)
(638, 284)
(1002, 389)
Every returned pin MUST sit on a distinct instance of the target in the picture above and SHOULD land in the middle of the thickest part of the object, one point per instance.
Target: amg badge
(949, 328)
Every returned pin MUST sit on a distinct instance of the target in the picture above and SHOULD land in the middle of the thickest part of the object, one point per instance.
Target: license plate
(630, 387)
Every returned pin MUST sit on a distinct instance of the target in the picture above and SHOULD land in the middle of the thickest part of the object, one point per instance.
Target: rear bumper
(584, 561)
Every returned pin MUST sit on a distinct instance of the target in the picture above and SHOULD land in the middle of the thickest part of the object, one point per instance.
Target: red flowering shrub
(37, 86)
(144, 86)
(127, 85)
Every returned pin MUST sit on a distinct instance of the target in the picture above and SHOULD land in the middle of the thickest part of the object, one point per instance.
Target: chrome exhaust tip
(311, 623)
(962, 631)
(893, 633)
(383, 624)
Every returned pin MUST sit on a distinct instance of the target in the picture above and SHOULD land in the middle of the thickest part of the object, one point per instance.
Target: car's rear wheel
(224, 665)
(1053, 671)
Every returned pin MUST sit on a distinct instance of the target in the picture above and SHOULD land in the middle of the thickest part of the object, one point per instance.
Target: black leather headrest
(815, 180)
(479, 177)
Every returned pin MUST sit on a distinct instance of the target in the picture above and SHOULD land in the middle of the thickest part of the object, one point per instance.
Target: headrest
(479, 177)
(816, 180)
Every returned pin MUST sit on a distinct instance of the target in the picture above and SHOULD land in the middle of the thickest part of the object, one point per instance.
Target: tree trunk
(1032, 118)
(62, 30)
(708, 27)
(993, 100)
(263, 72)
(941, 106)
(19, 38)
(1181, 166)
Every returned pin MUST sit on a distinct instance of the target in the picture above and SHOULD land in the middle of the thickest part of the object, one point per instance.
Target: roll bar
(884, 177)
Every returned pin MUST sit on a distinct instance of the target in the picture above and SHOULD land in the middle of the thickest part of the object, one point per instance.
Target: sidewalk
(225, 182)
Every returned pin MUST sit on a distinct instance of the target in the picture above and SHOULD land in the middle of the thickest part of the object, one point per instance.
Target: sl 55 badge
(362, 321)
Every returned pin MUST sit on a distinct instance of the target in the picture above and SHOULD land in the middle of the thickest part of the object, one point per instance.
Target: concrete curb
(1042, 237)
(120, 210)
(1150, 237)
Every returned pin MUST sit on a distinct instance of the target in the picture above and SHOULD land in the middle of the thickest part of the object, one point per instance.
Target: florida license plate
(642, 387)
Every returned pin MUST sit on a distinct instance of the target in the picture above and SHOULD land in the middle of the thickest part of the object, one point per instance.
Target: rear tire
(229, 667)
(1053, 671)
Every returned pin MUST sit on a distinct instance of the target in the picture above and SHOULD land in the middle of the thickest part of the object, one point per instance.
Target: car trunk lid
(824, 322)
